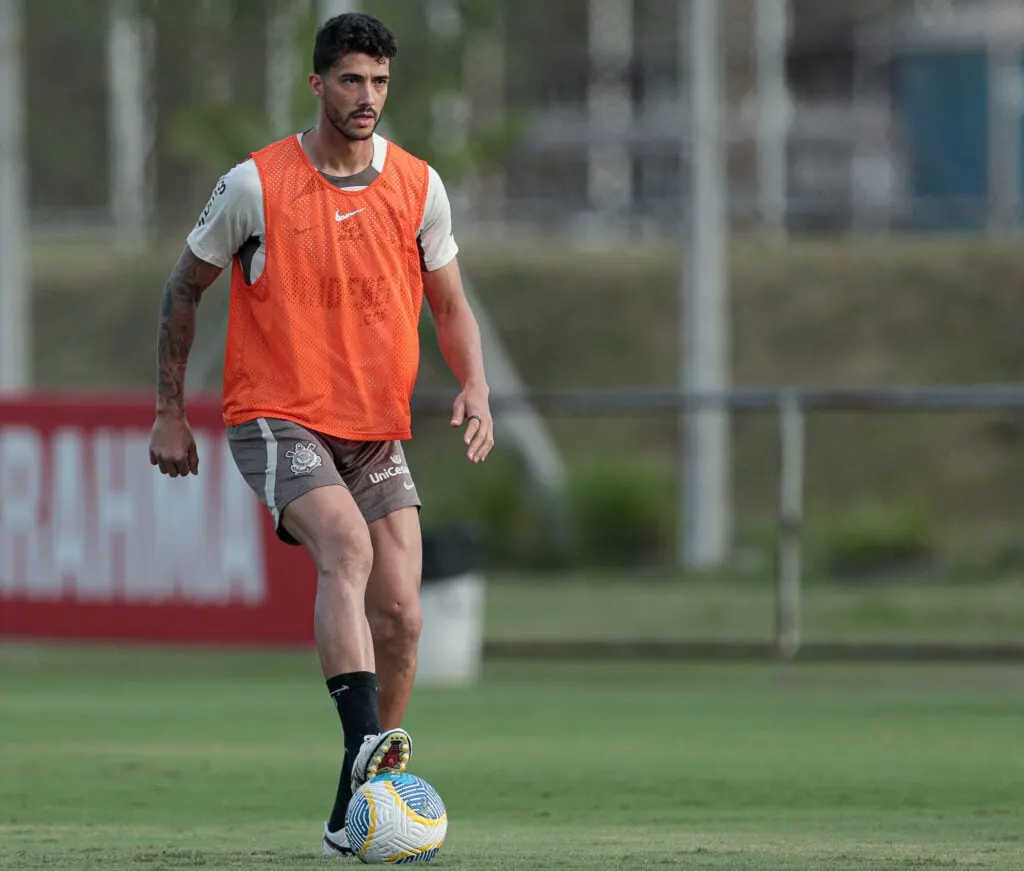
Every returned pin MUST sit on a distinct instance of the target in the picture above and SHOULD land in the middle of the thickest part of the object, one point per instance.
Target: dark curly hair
(348, 33)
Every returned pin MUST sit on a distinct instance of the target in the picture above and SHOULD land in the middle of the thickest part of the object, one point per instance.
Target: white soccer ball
(396, 818)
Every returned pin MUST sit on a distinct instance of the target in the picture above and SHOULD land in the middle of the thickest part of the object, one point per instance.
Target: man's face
(353, 93)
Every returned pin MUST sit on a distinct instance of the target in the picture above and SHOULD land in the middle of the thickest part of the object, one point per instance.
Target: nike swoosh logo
(338, 216)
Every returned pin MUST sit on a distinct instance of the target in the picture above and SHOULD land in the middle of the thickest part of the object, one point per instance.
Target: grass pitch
(123, 760)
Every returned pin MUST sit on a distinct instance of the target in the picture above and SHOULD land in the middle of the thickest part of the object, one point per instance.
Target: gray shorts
(281, 461)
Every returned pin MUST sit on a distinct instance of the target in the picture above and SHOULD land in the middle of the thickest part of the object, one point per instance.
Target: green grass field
(146, 759)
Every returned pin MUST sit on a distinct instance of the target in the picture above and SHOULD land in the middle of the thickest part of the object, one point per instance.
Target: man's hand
(472, 405)
(172, 446)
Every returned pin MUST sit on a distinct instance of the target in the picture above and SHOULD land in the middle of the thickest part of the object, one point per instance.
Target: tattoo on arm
(177, 328)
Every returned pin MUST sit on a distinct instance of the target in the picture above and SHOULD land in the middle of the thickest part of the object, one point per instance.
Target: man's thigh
(377, 475)
(282, 461)
(397, 562)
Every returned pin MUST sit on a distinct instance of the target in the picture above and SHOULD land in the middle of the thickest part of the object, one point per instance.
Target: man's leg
(381, 484)
(285, 465)
(328, 523)
(393, 609)
(292, 471)
(332, 529)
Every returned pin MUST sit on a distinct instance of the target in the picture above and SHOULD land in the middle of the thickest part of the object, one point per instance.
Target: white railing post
(792, 456)
(706, 512)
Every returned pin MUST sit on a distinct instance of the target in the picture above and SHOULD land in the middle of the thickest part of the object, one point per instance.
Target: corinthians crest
(304, 459)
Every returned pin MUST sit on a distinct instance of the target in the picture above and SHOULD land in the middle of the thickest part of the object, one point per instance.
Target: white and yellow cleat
(386, 753)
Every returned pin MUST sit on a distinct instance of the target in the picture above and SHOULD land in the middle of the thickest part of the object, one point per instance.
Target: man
(333, 236)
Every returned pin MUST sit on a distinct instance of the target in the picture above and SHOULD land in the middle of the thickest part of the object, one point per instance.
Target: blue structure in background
(943, 101)
(940, 90)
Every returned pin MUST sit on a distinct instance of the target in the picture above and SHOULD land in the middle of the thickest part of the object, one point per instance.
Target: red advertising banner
(96, 544)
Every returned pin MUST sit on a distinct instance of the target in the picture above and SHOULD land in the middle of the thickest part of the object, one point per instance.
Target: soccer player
(333, 236)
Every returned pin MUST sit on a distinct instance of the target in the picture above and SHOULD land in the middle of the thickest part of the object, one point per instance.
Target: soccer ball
(396, 819)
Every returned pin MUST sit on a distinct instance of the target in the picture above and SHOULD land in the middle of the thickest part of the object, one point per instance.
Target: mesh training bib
(328, 335)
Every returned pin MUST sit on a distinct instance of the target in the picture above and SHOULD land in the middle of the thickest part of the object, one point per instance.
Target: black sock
(342, 797)
(355, 697)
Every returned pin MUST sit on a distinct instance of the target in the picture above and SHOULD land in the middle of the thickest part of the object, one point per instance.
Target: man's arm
(233, 214)
(458, 336)
(189, 278)
(458, 333)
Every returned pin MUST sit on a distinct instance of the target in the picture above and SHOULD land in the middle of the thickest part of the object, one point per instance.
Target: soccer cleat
(336, 843)
(386, 753)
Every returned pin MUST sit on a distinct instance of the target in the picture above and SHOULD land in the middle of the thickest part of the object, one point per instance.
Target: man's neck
(334, 154)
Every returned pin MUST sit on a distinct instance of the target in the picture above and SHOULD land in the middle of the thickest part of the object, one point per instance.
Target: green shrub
(496, 499)
(621, 513)
(616, 514)
(878, 539)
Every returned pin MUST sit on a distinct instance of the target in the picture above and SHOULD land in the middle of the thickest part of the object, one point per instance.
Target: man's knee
(328, 523)
(343, 553)
(396, 622)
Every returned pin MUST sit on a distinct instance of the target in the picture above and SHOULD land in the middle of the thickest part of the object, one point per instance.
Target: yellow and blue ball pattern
(396, 819)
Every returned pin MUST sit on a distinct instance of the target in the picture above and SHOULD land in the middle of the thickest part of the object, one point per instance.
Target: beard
(345, 124)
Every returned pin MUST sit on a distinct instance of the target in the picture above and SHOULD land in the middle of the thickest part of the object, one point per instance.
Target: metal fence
(791, 405)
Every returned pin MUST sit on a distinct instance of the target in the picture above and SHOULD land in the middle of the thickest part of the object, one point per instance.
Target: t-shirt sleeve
(233, 215)
(436, 239)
